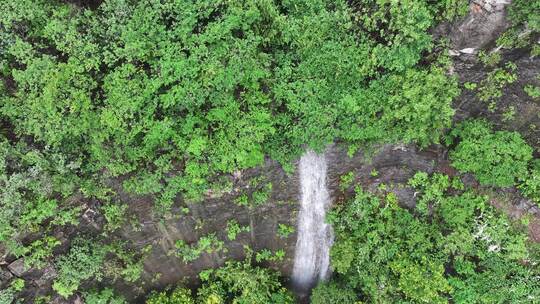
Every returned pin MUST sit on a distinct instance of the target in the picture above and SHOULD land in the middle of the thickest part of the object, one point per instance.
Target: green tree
(332, 293)
(177, 296)
(496, 158)
(239, 282)
(462, 250)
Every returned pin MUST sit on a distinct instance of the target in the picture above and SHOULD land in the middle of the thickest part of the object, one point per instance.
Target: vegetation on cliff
(163, 96)
(453, 246)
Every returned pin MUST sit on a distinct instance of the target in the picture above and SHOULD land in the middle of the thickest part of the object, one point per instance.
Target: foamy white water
(315, 237)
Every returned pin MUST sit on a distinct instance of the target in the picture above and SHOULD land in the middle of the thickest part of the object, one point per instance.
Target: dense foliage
(454, 246)
(496, 158)
(162, 96)
(236, 282)
(212, 86)
(90, 260)
(332, 293)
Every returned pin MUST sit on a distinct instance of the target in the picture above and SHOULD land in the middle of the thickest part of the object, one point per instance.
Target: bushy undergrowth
(497, 158)
(236, 282)
(88, 259)
(212, 86)
(458, 248)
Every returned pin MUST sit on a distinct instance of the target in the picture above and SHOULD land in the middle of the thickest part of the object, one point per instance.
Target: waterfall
(312, 252)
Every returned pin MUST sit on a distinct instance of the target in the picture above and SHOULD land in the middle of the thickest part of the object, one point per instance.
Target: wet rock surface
(479, 31)
(211, 216)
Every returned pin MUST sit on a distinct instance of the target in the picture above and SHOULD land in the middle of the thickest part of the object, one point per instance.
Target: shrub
(105, 296)
(239, 282)
(115, 214)
(83, 261)
(496, 158)
(236, 282)
(369, 257)
(459, 250)
(530, 183)
(332, 293)
(177, 296)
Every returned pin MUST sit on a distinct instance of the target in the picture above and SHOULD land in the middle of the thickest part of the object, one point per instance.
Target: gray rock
(48, 274)
(5, 277)
(18, 268)
(486, 21)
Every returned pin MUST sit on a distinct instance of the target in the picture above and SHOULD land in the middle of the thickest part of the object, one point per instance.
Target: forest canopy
(207, 87)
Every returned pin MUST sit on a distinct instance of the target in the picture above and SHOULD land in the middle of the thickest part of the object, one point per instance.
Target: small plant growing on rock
(18, 284)
(257, 198)
(190, 252)
(346, 180)
(268, 255)
(470, 85)
(532, 91)
(242, 200)
(233, 229)
(489, 59)
(491, 88)
(284, 231)
(39, 251)
(261, 196)
(509, 114)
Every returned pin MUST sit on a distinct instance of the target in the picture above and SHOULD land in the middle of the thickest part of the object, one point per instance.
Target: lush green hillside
(163, 96)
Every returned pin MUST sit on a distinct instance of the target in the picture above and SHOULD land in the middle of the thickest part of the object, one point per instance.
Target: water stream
(311, 258)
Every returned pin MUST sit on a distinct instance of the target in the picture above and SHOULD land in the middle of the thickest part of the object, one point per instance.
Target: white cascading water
(315, 237)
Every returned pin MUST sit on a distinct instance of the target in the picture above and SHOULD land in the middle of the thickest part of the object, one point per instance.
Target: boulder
(5, 277)
(17, 267)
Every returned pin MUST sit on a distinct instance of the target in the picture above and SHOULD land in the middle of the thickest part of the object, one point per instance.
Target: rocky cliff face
(395, 164)
(210, 216)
